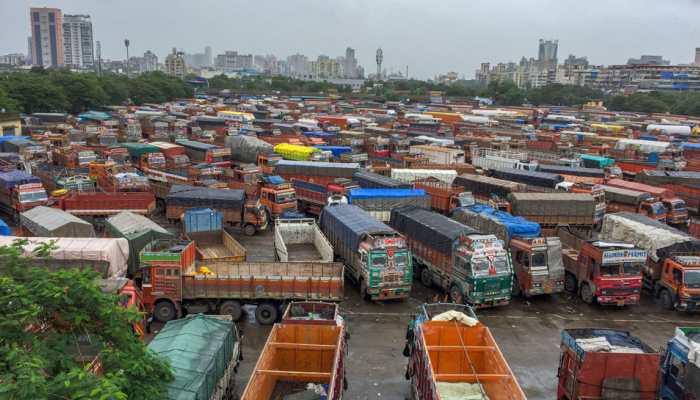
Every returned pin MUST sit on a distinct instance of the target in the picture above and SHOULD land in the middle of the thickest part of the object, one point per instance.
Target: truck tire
(232, 308)
(266, 313)
(249, 230)
(426, 277)
(456, 295)
(164, 311)
(665, 299)
(364, 290)
(587, 294)
(570, 282)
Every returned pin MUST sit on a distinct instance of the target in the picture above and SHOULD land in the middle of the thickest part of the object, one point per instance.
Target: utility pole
(126, 44)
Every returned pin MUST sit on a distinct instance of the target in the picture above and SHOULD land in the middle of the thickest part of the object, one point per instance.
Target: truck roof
(593, 340)
(688, 260)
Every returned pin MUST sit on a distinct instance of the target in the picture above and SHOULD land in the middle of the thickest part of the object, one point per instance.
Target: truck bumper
(619, 300)
(689, 305)
(546, 288)
(390, 293)
(488, 303)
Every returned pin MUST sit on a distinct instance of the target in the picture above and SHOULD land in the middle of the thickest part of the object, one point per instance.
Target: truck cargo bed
(303, 252)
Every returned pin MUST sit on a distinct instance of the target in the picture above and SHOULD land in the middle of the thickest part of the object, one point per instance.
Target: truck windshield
(28, 197)
(480, 267)
(286, 197)
(631, 269)
(692, 279)
(610, 270)
(539, 259)
(378, 260)
(401, 260)
(657, 208)
(678, 205)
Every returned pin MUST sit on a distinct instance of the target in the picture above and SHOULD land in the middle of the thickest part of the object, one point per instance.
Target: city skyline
(410, 32)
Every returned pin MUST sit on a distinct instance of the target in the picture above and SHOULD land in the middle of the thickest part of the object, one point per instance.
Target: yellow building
(10, 124)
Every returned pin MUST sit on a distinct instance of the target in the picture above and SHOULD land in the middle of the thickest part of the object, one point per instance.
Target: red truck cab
(606, 272)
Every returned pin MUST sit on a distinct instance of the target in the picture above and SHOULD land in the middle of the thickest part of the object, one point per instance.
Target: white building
(78, 47)
(175, 64)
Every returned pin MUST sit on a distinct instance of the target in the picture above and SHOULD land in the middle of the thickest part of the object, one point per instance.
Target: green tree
(83, 91)
(6, 102)
(35, 92)
(54, 322)
(563, 95)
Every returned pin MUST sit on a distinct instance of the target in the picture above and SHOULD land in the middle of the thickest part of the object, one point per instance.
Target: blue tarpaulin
(4, 229)
(516, 226)
(335, 150)
(694, 146)
(274, 180)
(367, 193)
(320, 134)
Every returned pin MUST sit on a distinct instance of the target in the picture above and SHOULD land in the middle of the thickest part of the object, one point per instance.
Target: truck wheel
(364, 290)
(665, 299)
(164, 311)
(456, 295)
(249, 230)
(586, 293)
(232, 308)
(425, 277)
(266, 313)
(570, 283)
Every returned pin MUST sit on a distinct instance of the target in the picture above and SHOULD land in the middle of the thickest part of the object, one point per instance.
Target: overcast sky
(430, 37)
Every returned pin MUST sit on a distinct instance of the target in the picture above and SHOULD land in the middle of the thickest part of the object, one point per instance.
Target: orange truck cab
(607, 272)
(275, 194)
(678, 283)
(128, 295)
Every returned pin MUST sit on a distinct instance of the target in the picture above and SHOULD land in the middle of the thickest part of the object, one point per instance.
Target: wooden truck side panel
(440, 264)
(109, 203)
(217, 246)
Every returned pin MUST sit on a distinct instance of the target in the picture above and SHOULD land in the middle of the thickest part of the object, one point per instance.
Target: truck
(210, 341)
(607, 272)
(606, 364)
(594, 190)
(175, 155)
(367, 179)
(625, 200)
(300, 153)
(446, 358)
(199, 152)
(173, 284)
(412, 175)
(128, 295)
(216, 245)
(236, 207)
(676, 209)
(553, 209)
(312, 197)
(301, 240)
(102, 204)
(488, 190)
(472, 267)
(537, 263)
(490, 159)
(20, 191)
(304, 356)
(275, 194)
(439, 154)
(680, 366)
(533, 178)
(111, 177)
(318, 172)
(575, 174)
(376, 256)
(671, 273)
(444, 197)
(380, 202)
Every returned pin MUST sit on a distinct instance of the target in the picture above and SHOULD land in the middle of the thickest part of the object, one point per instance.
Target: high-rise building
(175, 64)
(77, 41)
(350, 64)
(150, 61)
(298, 65)
(547, 54)
(231, 60)
(648, 60)
(47, 36)
(697, 56)
(208, 56)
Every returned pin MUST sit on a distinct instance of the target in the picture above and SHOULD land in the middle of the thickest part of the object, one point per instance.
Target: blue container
(4, 229)
(653, 157)
(202, 220)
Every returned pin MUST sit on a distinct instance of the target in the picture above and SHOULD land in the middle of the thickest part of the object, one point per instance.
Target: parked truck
(532, 178)
(537, 264)
(199, 152)
(304, 356)
(213, 343)
(412, 175)
(439, 154)
(380, 202)
(246, 149)
(235, 206)
(680, 366)
(447, 358)
(553, 209)
(625, 200)
(370, 180)
(376, 256)
(315, 171)
(472, 267)
(491, 159)
(102, 204)
(672, 271)
(445, 197)
(301, 240)
(173, 283)
(606, 272)
(313, 197)
(676, 209)
(20, 191)
(488, 190)
(275, 194)
(300, 153)
(606, 364)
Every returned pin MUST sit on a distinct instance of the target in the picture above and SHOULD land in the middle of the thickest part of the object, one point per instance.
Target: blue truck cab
(680, 366)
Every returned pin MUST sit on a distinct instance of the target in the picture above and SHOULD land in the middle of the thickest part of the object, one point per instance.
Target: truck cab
(653, 209)
(537, 266)
(266, 163)
(386, 268)
(679, 286)
(676, 211)
(607, 272)
(28, 196)
(680, 377)
(128, 295)
(483, 271)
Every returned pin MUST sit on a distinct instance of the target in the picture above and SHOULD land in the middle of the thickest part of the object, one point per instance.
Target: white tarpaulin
(646, 146)
(410, 175)
(645, 237)
(112, 251)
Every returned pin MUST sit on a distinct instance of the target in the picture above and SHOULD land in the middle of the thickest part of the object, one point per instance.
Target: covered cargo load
(575, 171)
(499, 223)
(194, 196)
(368, 179)
(430, 228)
(203, 351)
(411, 175)
(296, 152)
(138, 230)
(554, 208)
(624, 196)
(380, 202)
(658, 239)
(535, 178)
(286, 168)
(488, 186)
(10, 179)
(656, 177)
(246, 149)
(52, 222)
(109, 257)
(591, 161)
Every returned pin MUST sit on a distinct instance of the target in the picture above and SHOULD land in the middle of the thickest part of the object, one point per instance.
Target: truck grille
(392, 278)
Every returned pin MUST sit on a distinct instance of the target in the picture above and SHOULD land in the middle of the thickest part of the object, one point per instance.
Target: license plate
(620, 302)
(548, 289)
